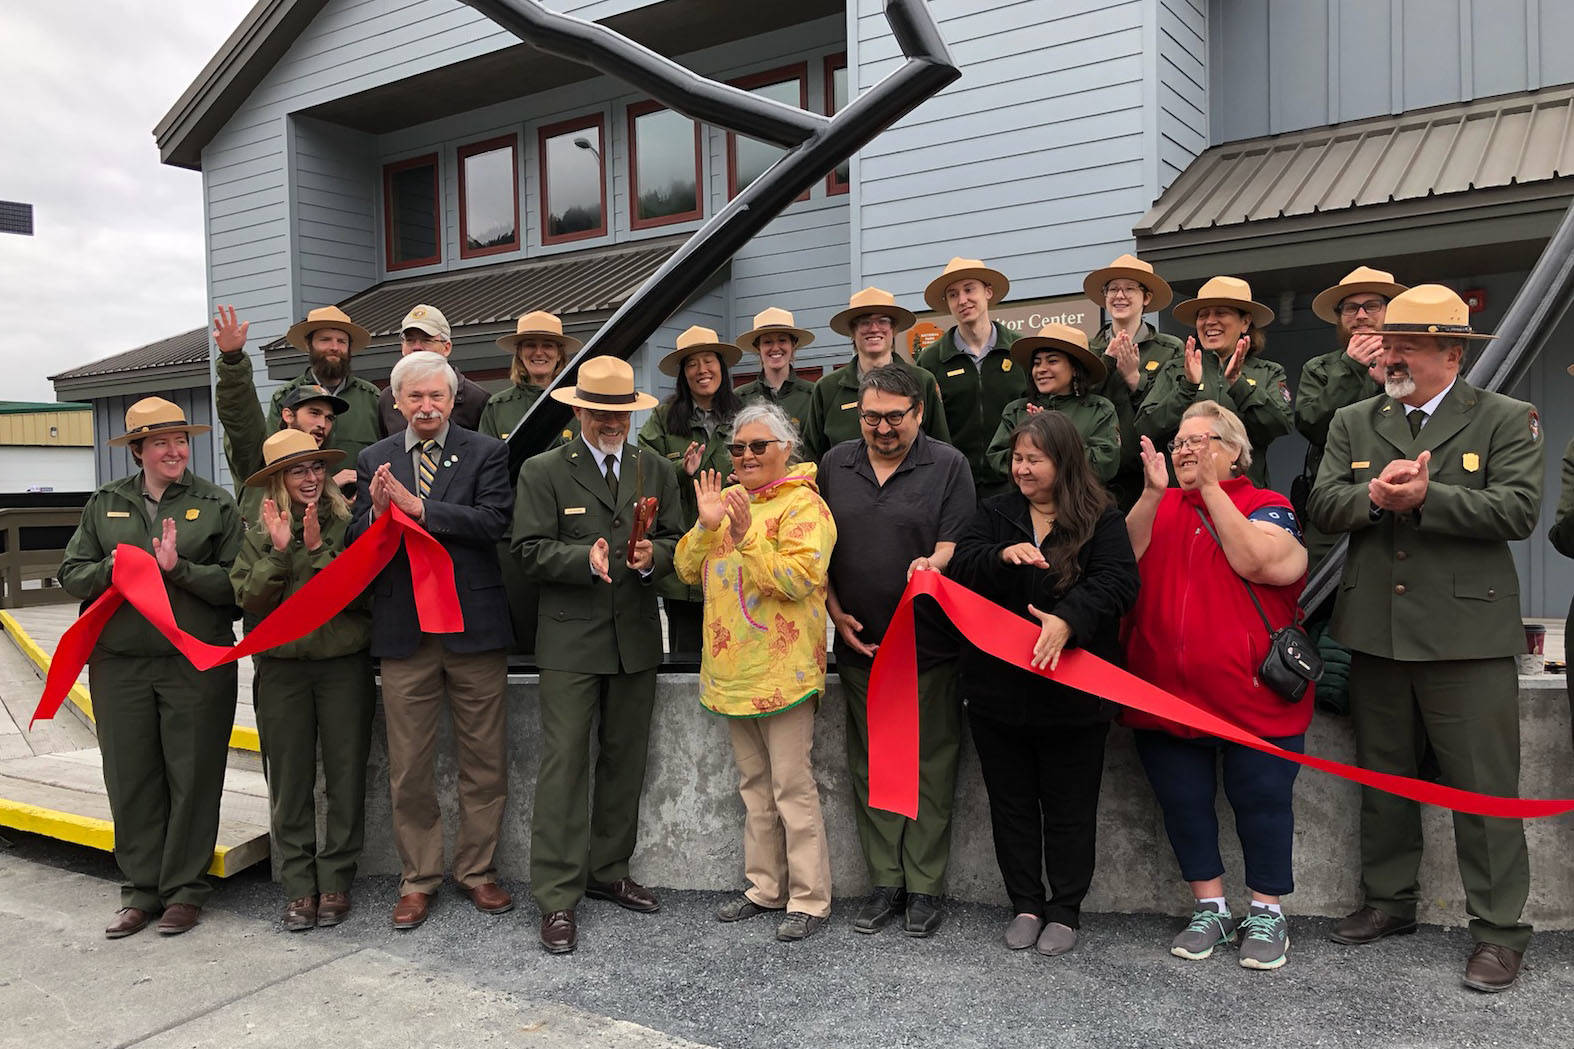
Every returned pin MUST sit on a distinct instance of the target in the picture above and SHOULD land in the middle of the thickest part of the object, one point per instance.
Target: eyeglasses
(891, 419)
(756, 448)
(1351, 309)
(1196, 442)
(302, 471)
(1129, 289)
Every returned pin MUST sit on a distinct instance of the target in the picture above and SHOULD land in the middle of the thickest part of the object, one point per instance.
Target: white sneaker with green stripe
(1208, 929)
(1265, 939)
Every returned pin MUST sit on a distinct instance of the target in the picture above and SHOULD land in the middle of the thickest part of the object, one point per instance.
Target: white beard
(605, 449)
(1399, 389)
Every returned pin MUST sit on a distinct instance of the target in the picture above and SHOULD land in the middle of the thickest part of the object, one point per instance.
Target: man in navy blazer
(455, 483)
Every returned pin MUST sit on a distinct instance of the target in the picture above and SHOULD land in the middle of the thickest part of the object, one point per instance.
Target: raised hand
(1193, 361)
(1155, 471)
(164, 546)
(311, 528)
(277, 524)
(738, 514)
(228, 333)
(692, 456)
(1232, 370)
(598, 560)
(707, 494)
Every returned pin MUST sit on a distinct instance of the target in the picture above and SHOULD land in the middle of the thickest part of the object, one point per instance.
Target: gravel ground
(683, 973)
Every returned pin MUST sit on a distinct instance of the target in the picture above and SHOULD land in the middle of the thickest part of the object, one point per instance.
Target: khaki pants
(413, 692)
(785, 856)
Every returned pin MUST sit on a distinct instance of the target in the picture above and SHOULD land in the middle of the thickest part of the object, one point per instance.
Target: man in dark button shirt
(901, 499)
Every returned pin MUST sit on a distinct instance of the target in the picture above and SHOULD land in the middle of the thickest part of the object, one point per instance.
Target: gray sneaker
(1265, 939)
(1208, 929)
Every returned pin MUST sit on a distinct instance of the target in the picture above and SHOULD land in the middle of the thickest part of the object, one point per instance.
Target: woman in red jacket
(1195, 632)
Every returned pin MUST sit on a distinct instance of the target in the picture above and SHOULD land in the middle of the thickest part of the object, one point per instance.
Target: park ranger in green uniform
(973, 363)
(1222, 362)
(329, 338)
(1062, 369)
(777, 339)
(872, 320)
(598, 643)
(163, 725)
(1433, 479)
(1135, 350)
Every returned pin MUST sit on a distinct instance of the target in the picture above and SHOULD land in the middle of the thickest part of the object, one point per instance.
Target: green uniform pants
(302, 703)
(1469, 711)
(906, 853)
(164, 732)
(524, 600)
(568, 843)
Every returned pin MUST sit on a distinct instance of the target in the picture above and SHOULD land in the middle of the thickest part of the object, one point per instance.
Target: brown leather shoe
(332, 908)
(410, 911)
(128, 920)
(178, 918)
(301, 914)
(1492, 967)
(626, 893)
(491, 898)
(559, 934)
(1368, 925)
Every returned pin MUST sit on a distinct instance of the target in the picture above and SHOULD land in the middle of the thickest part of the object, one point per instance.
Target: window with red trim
(665, 183)
(412, 222)
(573, 179)
(835, 98)
(489, 197)
(748, 158)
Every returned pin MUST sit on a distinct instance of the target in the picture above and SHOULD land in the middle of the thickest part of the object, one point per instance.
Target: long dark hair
(1079, 497)
(680, 406)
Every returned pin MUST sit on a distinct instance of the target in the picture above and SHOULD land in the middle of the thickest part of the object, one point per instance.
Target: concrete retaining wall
(691, 820)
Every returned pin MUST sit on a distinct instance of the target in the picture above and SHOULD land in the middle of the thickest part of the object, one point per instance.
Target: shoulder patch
(1284, 391)
(1535, 425)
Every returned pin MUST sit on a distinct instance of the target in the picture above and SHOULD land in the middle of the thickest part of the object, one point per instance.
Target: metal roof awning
(178, 362)
(1497, 171)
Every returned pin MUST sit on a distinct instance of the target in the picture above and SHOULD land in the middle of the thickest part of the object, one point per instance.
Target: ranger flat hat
(774, 319)
(876, 301)
(429, 319)
(1224, 291)
(300, 335)
(606, 384)
(1430, 309)
(692, 341)
(286, 448)
(543, 324)
(1134, 269)
(152, 416)
(1358, 281)
(1062, 338)
(965, 269)
(310, 391)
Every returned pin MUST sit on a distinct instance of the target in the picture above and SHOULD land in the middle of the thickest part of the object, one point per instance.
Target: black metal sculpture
(815, 146)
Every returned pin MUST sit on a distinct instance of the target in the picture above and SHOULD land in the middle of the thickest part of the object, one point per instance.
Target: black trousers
(1043, 785)
(684, 626)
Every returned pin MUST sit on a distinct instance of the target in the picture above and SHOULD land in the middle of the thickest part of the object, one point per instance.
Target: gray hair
(893, 379)
(1231, 432)
(773, 419)
(419, 365)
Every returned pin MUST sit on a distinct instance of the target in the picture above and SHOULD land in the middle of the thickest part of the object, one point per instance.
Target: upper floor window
(414, 226)
(664, 162)
(488, 197)
(747, 158)
(573, 180)
(835, 99)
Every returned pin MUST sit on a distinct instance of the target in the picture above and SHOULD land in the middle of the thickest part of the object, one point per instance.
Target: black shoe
(882, 905)
(924, 914)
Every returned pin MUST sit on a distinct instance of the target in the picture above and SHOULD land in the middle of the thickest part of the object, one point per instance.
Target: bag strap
(1244, 582)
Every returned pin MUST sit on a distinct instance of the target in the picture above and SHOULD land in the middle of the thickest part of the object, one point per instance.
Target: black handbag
(1293, 662)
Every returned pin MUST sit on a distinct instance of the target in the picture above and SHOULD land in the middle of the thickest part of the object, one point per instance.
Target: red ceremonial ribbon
(138, 579)
(893, 707)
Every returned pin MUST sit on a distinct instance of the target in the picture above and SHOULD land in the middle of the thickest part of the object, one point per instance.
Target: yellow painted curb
(81, 830)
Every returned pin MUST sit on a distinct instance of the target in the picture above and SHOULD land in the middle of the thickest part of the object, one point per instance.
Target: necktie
(428, 467)
(1415, 419)
(612, 475)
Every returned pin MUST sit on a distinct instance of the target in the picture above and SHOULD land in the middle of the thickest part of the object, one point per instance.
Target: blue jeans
(1260, 788)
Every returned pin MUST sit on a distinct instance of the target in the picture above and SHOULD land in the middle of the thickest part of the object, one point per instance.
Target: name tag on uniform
(674, 455)
(849, 404)
(570, 511)
(1361, 464)
(956, 371)
(116, 513)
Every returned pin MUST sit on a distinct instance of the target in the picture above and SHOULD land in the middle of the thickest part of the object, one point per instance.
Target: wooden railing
(32, 544)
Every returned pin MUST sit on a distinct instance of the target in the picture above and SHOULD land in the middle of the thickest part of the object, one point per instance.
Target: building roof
(35, 407)
(176, 363)
(1508, 140)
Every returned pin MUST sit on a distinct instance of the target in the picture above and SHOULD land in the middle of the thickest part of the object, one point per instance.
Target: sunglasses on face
(756, 448)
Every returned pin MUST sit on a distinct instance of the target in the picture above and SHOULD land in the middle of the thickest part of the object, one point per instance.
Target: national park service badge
(1470, 461)
(192, 514)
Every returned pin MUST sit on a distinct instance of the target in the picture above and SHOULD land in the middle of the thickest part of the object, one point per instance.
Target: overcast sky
(116, 259)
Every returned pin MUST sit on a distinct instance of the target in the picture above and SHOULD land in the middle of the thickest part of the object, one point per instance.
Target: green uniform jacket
(1437, 583)
(354, 431)
(240, 413)
(1093, 416)
(1562, 531)
(264, 577)
(1260, 396)
(1328, 382)
(833, 410)
(207, 538)
(1154, 350)
(670, 446)
(794, 398)
(505, 408)
(974, 395)
(561, 508)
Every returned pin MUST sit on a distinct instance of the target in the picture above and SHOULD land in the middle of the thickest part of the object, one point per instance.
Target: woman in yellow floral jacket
(760, 550)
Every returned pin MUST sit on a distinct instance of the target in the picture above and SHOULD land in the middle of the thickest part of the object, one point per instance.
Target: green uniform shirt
(1155, 350)
(1562, 531)
(505, 408)
(974, 394)
(655, 436)
(794, 397)
(240, 413)
(355, 430)
(833, 410)
(1328, 382)
(1260, 397)
(264, 578)
(207, 538)
(1093, 416)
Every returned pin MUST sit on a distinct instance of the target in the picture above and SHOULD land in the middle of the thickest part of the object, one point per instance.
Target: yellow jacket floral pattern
(765, 624)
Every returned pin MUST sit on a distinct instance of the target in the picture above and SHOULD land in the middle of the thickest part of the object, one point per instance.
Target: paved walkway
(679, 978)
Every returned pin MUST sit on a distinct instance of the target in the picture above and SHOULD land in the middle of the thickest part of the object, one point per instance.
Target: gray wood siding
(1295, 64)
(1181, 53)
(334, 177)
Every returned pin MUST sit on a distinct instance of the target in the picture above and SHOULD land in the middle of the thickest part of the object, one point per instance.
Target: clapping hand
(1155, 471)
(1232, 370)
(164, 546)
(396, 493)
(277, 524)
(599, 565)
(1124, 353)
(738, 514)
(311, 528)
(1401, 487)
(1193, 361)
(692, 456)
